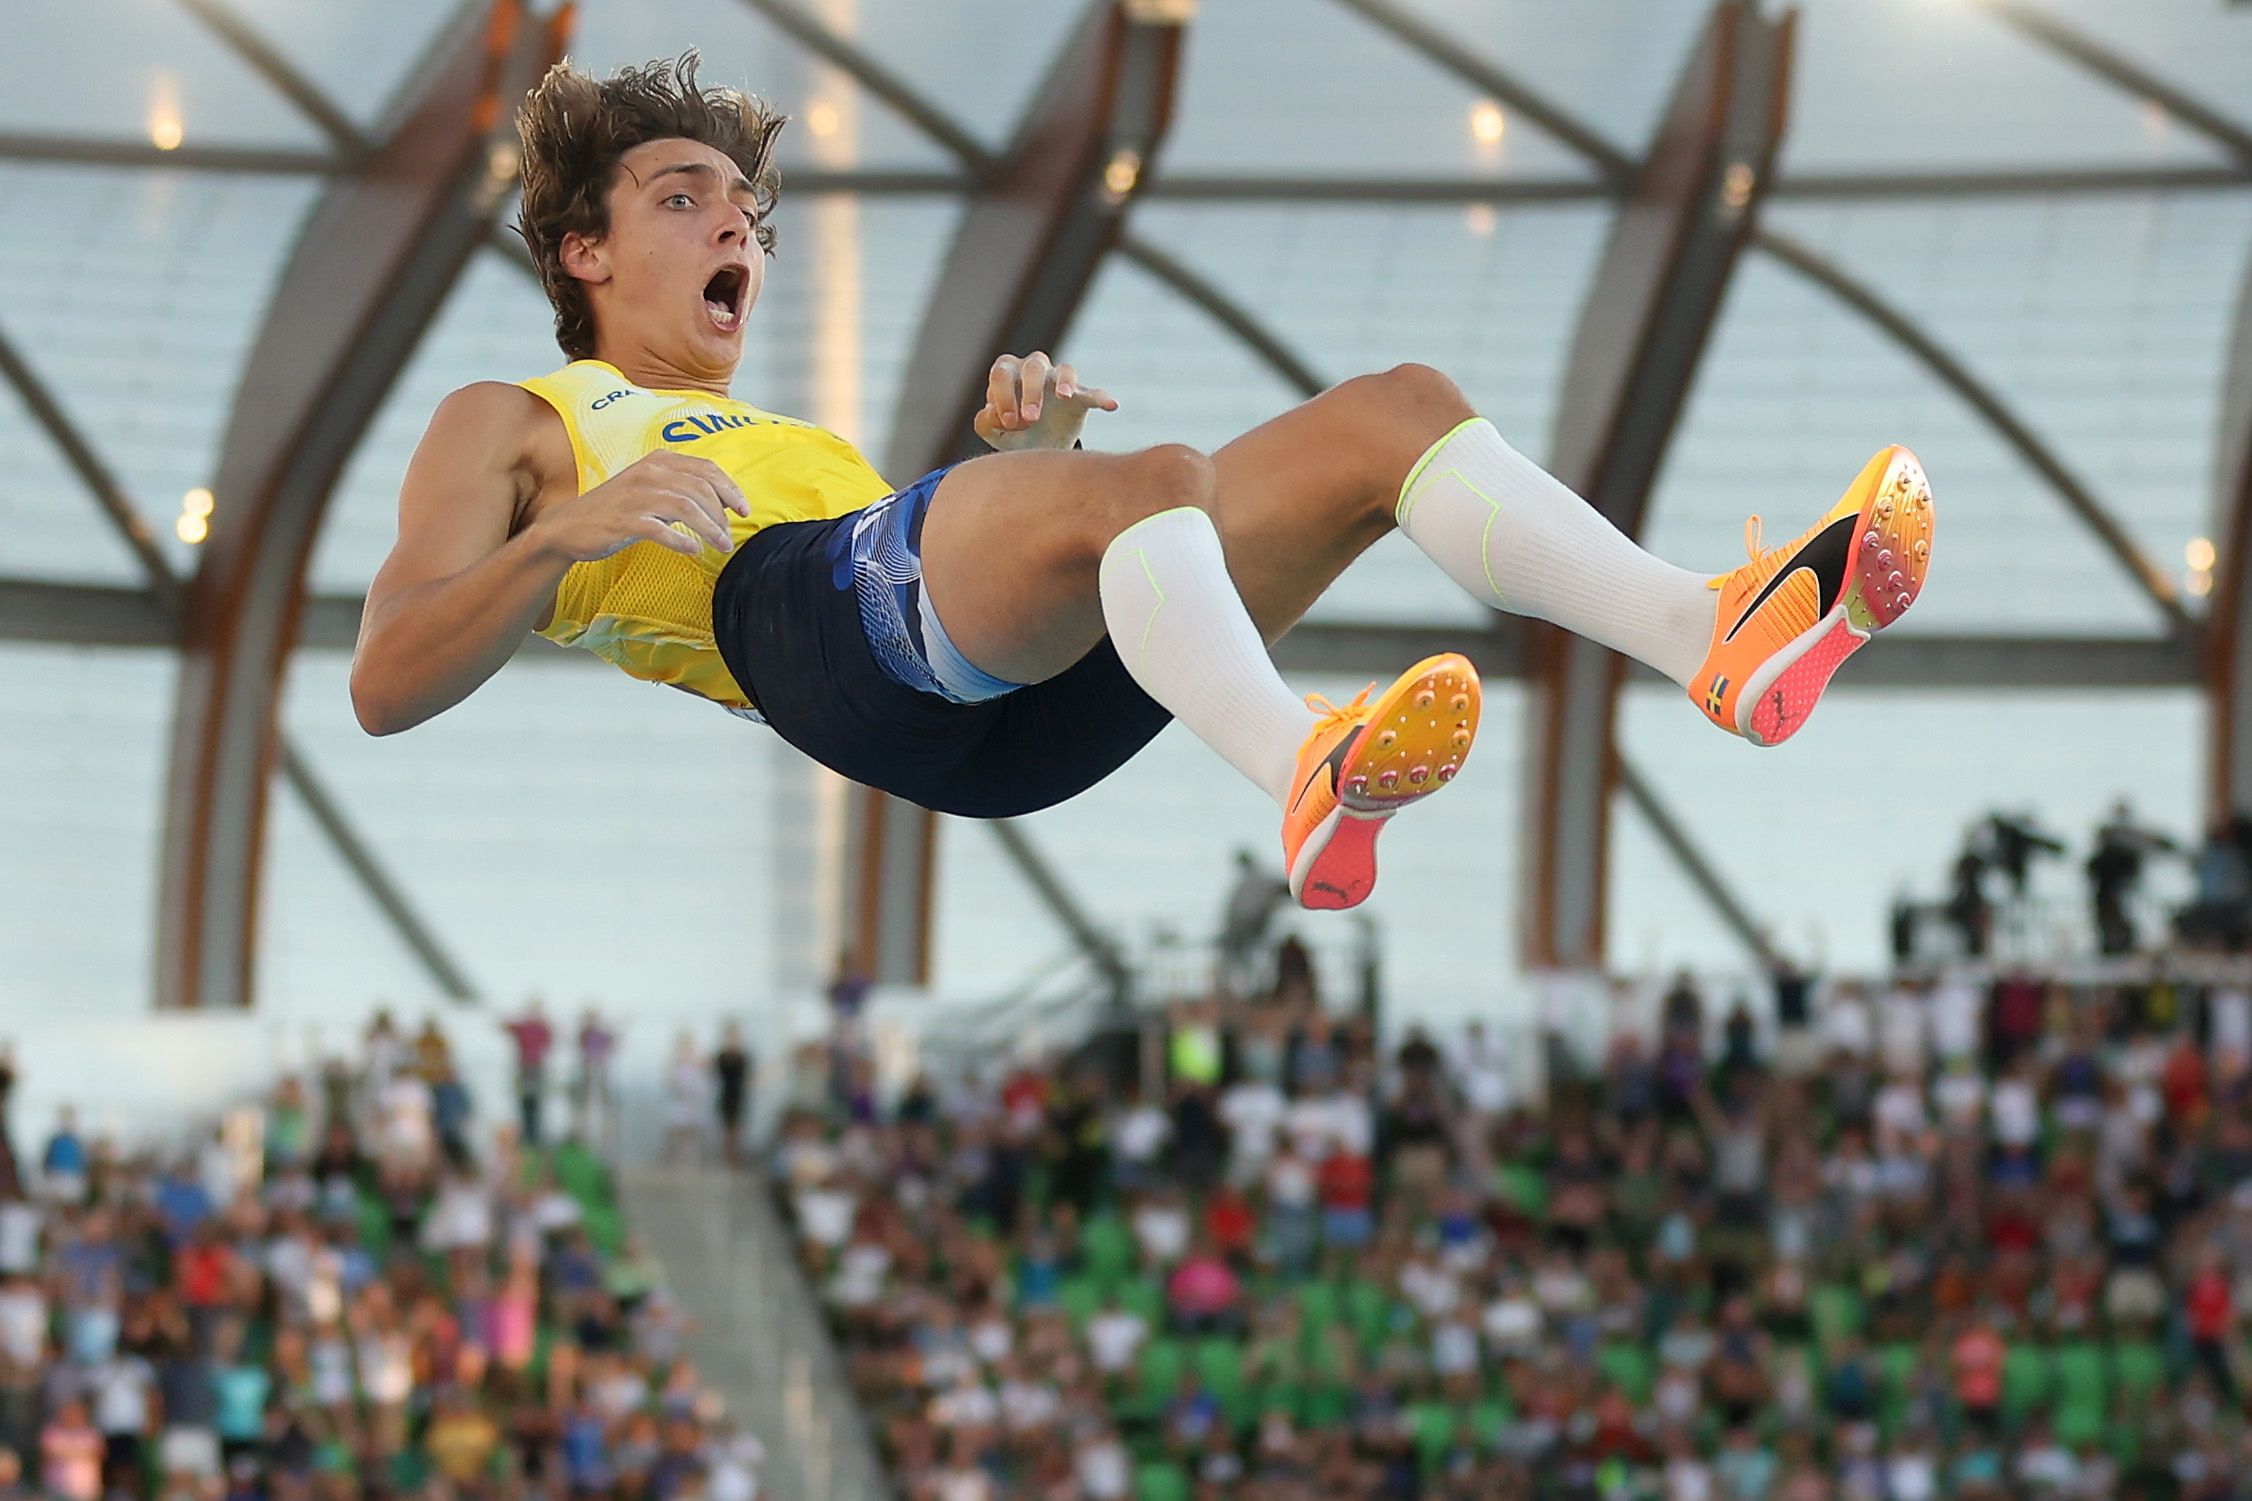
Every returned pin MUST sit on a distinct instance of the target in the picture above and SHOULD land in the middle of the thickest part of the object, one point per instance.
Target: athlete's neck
(652, 372)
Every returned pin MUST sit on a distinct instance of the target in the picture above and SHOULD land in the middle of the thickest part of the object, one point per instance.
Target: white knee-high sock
(1514, 536)
(1182, 631)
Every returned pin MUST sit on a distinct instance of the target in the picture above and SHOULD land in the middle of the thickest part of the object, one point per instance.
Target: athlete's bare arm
(489, 521)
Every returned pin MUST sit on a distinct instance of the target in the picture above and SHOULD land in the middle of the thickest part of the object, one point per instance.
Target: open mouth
(723, 297)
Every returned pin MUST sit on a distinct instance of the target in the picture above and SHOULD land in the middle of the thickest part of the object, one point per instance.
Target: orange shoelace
(1331, 715)
(1752, 540)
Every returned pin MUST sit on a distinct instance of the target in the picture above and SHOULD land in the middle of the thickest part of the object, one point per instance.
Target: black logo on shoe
(1332, 763)
(1825, 556)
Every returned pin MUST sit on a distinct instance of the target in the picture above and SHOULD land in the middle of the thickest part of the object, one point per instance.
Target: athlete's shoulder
(491, 424)
(495, 407)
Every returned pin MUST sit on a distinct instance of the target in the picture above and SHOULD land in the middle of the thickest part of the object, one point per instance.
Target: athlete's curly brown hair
(575, 128)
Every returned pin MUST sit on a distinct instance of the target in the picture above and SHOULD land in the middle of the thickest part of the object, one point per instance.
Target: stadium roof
(2045, 206)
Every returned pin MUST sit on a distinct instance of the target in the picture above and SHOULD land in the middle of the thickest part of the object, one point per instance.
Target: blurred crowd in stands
(353, 1290)
(1955, 1237)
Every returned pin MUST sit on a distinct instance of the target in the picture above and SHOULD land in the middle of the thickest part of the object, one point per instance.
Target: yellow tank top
(645, 608)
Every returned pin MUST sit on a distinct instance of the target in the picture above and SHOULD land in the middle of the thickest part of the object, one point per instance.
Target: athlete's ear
(585, 259)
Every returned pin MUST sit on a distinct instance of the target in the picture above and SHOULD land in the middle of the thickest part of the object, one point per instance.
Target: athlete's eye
(681, 198)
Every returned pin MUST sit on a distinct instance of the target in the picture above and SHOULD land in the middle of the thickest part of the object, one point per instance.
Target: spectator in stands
(11, 1166)
(182, 1328)
(1203, 1292)
(534, 1038)
(731, 1090)
(449, 1096)
(687, 1095)
(1976, 1255)
(591, 1097)
(63, 1166)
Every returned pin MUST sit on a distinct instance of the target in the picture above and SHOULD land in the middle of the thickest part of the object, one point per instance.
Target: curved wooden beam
(2228, 672)
(162, 606)
(1038, 224)
(374, 263)
(1614, 165)
(862, 67)
(269, 63)
(2113, 68)
(1648, 317)
(1224, 310)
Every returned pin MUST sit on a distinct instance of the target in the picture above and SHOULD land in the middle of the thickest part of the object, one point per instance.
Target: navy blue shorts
(820, 622)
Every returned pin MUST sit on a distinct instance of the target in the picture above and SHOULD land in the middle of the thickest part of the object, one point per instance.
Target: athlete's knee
(1405, 396)
(1376, 426)
(1163, 478)
(1174, 474)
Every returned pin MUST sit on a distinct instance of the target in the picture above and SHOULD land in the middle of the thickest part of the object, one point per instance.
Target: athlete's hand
(647, 501)
(1033, 403)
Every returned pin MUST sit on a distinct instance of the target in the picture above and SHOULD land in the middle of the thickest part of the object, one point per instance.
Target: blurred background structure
(1869, 1118)
(1705, 258)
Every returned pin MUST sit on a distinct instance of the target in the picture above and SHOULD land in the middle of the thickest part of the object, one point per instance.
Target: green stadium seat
(606, 1228)
(1323, 1404)
(1161, 1365)
(1161, 1482)
(374, 1224)
(2027, 1375)
(1629, 1368)
(1080, 1298)
(1219, 1365)
(1898, 1361)
(2083, 1376)
(1318, 1307)
(1324, 1360)
(581, 1175)
(1368, 1306)
(1108, 1245)
(1434, 1424)
(2079, 1423)
(1524, 1186)
(2141, 1367)
(543, 1342)
(1898, 1364)
(1145, 1297)
(1837, 1310)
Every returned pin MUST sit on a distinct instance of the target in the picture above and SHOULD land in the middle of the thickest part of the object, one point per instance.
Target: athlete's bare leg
(1013, 541)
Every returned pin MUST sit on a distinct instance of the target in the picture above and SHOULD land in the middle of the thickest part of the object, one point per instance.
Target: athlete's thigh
(1011, 549)
(1293, 511)
(1301, 496)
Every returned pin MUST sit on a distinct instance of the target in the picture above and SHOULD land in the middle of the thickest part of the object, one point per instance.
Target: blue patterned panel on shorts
(887, 571)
